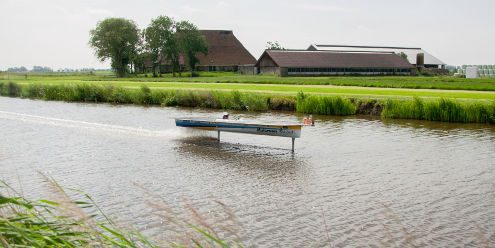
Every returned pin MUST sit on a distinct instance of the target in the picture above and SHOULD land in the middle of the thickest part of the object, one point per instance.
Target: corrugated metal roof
(411, 52)
(325, 59)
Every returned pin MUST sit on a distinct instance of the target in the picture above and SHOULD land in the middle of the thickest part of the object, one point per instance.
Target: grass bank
(406, 82)
(441, 109)
(280, 89)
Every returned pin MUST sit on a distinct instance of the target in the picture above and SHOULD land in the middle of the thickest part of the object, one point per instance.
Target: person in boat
(225, 116)
(309, 121)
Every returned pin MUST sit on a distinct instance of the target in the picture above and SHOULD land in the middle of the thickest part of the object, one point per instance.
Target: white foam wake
(43, 120)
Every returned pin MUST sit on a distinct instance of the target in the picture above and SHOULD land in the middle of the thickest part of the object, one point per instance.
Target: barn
(225, 52)
(321, 63)
(413, 54)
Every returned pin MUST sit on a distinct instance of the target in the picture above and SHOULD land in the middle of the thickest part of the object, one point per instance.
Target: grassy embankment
(438, 105)
(445, 82)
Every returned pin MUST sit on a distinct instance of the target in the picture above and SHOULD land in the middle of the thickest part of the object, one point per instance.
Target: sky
(55, 33)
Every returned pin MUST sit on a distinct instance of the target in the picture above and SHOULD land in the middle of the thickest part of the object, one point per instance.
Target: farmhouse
(416, 56)
(225, 52)
(316, 63)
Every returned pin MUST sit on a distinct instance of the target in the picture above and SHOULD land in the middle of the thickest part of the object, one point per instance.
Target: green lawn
(376, 87)
(449, 83)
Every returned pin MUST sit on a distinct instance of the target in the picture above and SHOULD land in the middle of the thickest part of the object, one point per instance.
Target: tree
(402, 55)
(138, 58)
(274, 46)
(161, 43)
(115, 39)
(190, 42)
(37, 68)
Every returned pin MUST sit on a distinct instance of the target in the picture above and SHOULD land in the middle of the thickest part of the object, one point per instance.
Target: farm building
(416, 56)
(319, 63)
(225, 53)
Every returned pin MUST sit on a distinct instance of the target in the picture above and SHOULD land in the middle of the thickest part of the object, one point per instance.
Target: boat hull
(280, 130)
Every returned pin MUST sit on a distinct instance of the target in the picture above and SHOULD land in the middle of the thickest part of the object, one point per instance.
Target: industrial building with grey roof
(412, 53)
(315, 63)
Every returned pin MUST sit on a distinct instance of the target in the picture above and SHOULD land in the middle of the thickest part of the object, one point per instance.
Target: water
(351, 182)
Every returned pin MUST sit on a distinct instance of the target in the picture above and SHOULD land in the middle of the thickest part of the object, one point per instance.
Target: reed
(446, 110)
(324, 105)
(66, 223)
(284, 103)
(11, 89)
(46, 223)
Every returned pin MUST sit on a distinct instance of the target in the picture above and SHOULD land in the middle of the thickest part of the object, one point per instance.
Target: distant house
(225, 53)
(416, 56)
(319, 63)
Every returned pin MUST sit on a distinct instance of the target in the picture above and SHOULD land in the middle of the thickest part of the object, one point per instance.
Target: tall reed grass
(46, 223)
(446, 110)
(66, 223)
(234, 100)
(324, 105)
(10, 89)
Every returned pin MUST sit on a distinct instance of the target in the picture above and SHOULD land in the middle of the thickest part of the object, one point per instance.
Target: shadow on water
(251, 157)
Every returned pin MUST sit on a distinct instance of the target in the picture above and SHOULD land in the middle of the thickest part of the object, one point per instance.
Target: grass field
(360, 87)
(449, 83)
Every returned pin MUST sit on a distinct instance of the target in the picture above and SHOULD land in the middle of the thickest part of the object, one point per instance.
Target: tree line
(35, 69)
(128, 48)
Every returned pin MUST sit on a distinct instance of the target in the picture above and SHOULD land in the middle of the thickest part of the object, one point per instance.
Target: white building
(472, 72)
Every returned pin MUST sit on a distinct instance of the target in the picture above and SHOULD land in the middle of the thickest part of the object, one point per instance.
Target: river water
(351, 181)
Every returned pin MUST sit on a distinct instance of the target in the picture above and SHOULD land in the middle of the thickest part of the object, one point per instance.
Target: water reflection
(251, 157)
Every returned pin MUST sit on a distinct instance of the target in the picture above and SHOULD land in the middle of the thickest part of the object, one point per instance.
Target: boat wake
(43, 120)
